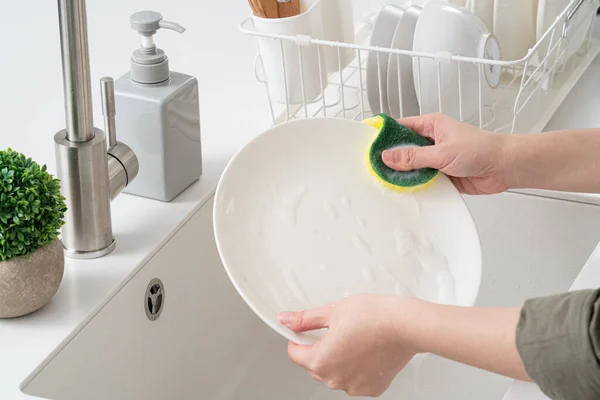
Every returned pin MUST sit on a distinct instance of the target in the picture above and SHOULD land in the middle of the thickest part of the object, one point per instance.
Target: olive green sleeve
(558, 339)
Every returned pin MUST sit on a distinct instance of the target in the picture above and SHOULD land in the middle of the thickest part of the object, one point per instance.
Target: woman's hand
(370, 339)
(363, 350)
(473, 158)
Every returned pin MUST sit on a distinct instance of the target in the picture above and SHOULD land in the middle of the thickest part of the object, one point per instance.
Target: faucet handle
(123, 165)
(107, 90)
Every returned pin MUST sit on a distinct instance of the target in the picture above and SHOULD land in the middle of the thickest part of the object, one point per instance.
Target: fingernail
(388, 156)
(285, 318)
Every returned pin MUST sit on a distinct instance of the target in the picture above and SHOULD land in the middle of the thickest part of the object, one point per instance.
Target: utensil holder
(292, 70)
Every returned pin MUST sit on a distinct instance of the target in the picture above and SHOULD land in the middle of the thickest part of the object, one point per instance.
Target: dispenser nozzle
(149, 64)
(146, 23)
(172, 26)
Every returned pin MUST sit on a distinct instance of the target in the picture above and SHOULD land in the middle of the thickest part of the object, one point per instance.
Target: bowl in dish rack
(447, 30)
(299, 222)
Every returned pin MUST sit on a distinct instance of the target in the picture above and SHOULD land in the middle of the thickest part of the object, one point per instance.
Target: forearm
(563, 160)
(482, 338)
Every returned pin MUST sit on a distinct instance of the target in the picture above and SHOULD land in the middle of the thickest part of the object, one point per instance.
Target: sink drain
(154, 300)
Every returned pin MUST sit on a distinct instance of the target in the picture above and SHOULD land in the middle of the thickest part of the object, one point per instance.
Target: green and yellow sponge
(392, 135)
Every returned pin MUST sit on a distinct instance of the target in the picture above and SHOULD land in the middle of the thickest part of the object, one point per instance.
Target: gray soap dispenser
(159, 115)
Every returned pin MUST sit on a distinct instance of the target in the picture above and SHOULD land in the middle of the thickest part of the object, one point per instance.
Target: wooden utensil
(289, 8)
(269, 8)
(257, 8)
(253, 7)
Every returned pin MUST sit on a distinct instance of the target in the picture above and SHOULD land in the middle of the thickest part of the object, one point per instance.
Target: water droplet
(295, 206)
(368, 274)
(288, 208)
(418, 206)
(405, 241)
(329, 238)
(361, 222)
(361, 245)
(346, 202)
(380, 374)
(330, 210)
(230, 207)
(323, 267)
(426, 245)
(518, 287)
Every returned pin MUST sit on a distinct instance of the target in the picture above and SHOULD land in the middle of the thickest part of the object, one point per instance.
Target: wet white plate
(299, 222)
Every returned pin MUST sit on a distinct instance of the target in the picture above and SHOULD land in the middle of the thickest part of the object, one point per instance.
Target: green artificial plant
(31, 207)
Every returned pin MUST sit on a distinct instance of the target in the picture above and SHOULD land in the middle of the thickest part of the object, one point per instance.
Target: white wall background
(212, 48)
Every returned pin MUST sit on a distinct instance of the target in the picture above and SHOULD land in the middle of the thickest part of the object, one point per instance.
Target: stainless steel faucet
(92, 169)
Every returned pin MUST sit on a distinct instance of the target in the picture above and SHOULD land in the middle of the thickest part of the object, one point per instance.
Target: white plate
(403, 40)
(515, 24)
(299, 222)
(377, 63)
(453, 30)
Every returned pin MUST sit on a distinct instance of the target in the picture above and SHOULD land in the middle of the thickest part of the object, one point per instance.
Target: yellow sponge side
(377, 123)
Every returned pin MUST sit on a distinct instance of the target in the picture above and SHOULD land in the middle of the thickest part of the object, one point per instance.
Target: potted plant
(31, 255)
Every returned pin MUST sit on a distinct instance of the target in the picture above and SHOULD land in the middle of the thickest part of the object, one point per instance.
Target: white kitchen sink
(207, 344)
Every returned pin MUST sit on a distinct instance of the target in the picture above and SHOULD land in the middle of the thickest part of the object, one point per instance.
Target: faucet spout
(76, 70)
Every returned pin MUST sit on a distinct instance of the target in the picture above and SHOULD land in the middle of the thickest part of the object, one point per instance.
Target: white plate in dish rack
(299, 222)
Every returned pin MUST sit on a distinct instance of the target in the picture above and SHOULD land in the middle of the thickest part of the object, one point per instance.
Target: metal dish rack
(529, 93)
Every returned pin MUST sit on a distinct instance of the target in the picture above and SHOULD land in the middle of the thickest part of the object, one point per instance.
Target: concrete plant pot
(26, 285)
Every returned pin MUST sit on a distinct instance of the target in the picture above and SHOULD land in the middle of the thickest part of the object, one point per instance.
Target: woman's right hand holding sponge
(473, 159)
(482, 162)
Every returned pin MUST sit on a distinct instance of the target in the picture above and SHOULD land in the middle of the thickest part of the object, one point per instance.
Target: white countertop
(233, 110)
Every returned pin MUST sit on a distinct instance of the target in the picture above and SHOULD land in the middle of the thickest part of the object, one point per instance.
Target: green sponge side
(392, 134)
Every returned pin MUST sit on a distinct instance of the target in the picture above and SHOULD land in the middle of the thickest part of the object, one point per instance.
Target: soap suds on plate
(330, 210)
(361, 245)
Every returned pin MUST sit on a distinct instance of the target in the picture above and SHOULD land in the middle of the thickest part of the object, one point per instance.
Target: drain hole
(154, 299)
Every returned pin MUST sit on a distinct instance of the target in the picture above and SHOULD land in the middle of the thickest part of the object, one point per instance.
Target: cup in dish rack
(295, 73)
(338, 26)
(445, 30)
(292, 72)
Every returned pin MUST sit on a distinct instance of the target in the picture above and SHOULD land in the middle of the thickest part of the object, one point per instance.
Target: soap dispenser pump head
(148, 64)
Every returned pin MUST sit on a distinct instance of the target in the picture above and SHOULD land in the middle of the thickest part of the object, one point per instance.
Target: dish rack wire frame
(524, 83)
